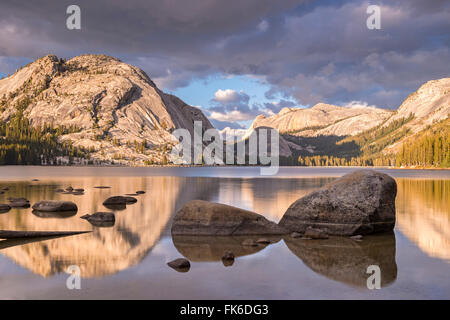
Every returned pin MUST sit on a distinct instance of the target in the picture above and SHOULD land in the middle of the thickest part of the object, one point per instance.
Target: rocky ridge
(114, 109)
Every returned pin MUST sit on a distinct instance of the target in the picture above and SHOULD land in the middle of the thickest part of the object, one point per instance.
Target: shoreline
(225, 166)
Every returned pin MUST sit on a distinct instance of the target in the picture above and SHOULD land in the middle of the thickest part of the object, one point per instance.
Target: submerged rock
(361, 202)
(140, 192)
(101, 219)
(180, 265)
(55, 206)
(199, 217)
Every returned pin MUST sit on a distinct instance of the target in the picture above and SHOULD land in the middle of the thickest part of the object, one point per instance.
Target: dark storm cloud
(276, 107)
(310, 50)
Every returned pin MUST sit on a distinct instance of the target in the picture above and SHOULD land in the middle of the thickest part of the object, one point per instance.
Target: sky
(238, 59)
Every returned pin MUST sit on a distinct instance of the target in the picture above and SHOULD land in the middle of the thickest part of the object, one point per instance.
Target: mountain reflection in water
(422, 215)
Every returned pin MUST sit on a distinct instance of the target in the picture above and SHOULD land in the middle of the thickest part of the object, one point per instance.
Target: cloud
(313, 51)
(220, 125)
(358, 104)
(272, 108)
(231, 106)
(234, 115)
(230, 96)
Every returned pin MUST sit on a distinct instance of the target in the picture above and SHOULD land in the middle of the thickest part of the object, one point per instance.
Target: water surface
(128, 260)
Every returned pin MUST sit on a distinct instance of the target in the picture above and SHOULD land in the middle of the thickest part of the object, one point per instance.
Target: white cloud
(358, 104)
(234, 115)
(227, 95)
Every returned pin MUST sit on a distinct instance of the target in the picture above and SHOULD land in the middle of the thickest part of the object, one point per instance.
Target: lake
(128, 260)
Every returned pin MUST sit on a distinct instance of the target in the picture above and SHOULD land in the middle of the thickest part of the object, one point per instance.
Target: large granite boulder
(361, 202)
(199, 217)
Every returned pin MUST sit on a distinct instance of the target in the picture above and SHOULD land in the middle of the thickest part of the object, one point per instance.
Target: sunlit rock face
(100, 95)
(423, 214)
(106, 250)
(430, 103)
(324, 119)
(346, 260)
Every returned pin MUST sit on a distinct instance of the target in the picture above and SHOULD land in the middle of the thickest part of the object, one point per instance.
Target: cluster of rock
(70, 190)
(64, 209)
(359, 203)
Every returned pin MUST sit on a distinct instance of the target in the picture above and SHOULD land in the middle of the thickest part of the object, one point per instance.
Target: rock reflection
(423, 214)
(55, 214)
(212, 248)
(346, 260)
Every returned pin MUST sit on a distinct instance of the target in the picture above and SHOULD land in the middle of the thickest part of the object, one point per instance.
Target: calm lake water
(128, 260)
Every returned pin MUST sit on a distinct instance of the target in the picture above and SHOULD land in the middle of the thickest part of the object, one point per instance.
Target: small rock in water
(249, 243)
(296, 234)
(228, 255)
(78, 190)
(19, 203)
(4, 208)
(228, 258)
(35, 180)
(55, 206)
(59, 190)
(140, 192)
(357, 237)
(69, 189)
(100, 216)
(180, 265)
(102, 187)
(101, 219)
(119, 200)
(263, 241)
(315, 233)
